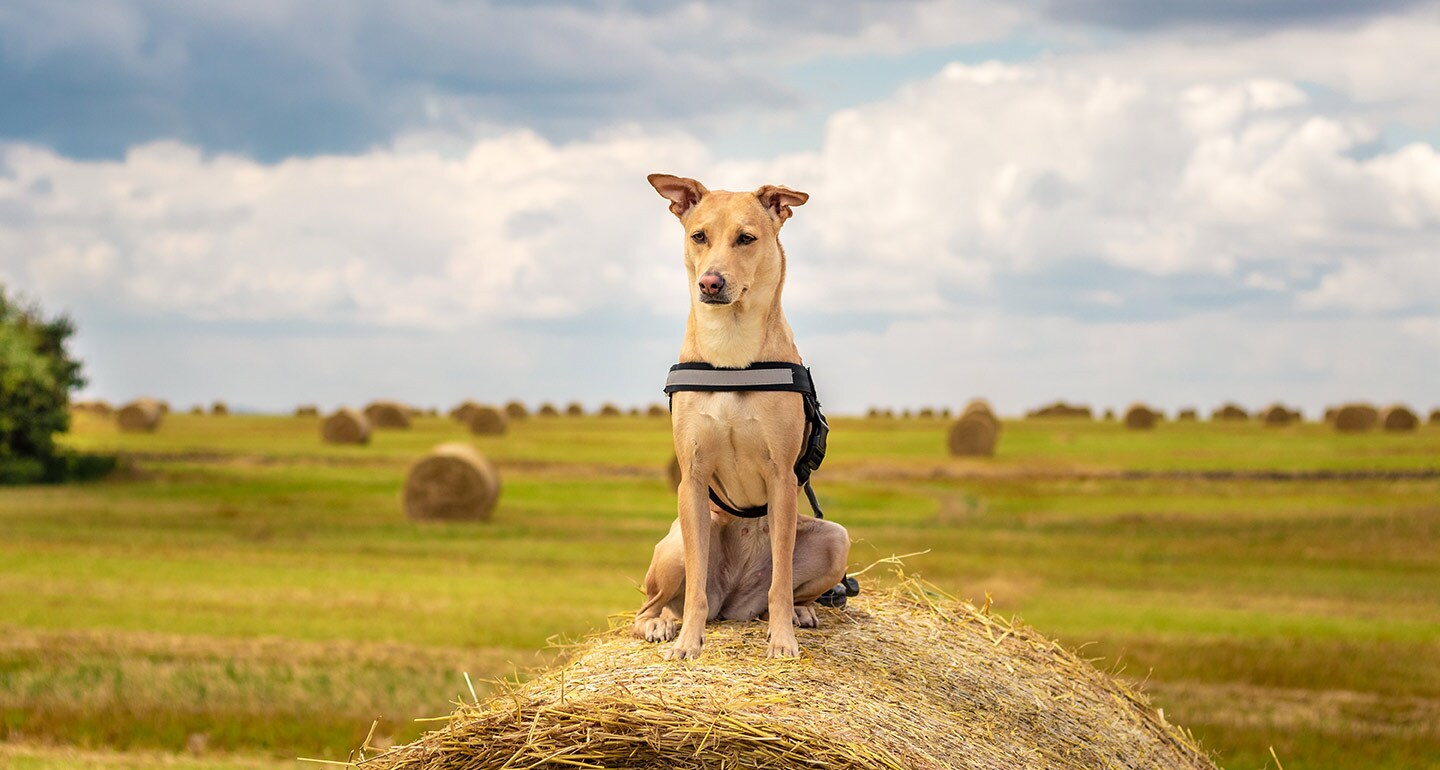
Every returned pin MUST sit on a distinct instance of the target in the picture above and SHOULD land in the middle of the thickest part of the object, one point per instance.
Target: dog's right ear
(683, 193)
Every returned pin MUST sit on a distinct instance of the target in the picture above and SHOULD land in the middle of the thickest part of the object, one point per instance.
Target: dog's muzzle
(712, 289)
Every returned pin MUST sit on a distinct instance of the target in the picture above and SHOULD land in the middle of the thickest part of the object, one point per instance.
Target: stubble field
(243, 594)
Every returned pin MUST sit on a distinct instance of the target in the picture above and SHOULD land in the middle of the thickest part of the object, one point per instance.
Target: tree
(36, 377)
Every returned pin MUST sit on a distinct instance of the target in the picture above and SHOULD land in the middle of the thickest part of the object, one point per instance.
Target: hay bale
(488, 421)
(516, 411)
(1398, 417)
(1277, 415)
(902, 679)
(219, 409)
(454, 482)
(461, 411)
(1435, 416)
(387, 414)
(1230, 412)
(1330, 412)
(873, 412)
(307, 410)
(974, 435)
(927, 413)
(1109, 415)
(1141, 417)
(548, 409)
(657, 410)
(197, 410)
(143, 415)
(610, 410)
(1061, 409)
(575, 409)
(345, 426)
(977, 405)
(906, 414)
(672, 472)
(1356, 418)
(1188, 414)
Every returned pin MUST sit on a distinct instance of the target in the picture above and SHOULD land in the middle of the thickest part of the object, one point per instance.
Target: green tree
(37, 374)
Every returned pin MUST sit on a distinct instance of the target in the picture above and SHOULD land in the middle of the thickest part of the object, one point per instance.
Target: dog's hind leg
(664, 585)
(822, 549)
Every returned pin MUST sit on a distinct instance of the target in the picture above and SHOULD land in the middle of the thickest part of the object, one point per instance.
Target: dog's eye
(698, 236)
(744, 239)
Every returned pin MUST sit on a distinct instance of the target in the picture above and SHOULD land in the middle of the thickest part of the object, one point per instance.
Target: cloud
(287, 78)
(1231, 14)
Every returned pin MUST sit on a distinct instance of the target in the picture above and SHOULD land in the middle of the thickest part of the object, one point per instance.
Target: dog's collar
(761, 375)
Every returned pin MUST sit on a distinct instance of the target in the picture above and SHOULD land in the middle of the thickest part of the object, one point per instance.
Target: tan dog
(743, 444)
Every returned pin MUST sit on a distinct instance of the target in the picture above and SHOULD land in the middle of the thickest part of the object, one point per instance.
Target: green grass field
(245, 583)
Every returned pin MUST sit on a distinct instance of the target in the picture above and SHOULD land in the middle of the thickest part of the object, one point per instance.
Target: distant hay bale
(1356, 418)
(488, 421)
(548, 409)
(977, 405)
(974, 435)
(575, 409)
(906, 414)
(307, 410)
(461, 411)
(633, 411)
(454, 482)
(164, 406)
(1141, 417)
(387, 414)
(99, 408)
(1230, 412)
(1188, 415)
(657, 410)
(610, 410)
(516, 410)
(1398, 417)
(1062, 409)
(219, 409)
(1277, 415)
(901, 679)
(873, 412)
(345, 426)
(1108, 415)
(143, 415)
(197, 409)
(927, 413)
(945, 413)
(1435, 416)
(1330, 412)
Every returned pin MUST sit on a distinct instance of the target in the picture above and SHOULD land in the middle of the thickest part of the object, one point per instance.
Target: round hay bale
(974, 435)
(387, 414)
(142, 415)
(927, 413)
(219, 409)
(906, 414)
(454, 482)
(1356, 418)
(345, 426)
(977, 405)
(1398, 417)
(657, 410)
(1435, 416)
(1188, 415)
(575, 409)
(610, 410)
(672, 472)
(1230, 412)
(488, 421)
(548, 409)
(873, 412)
(1330, 412)
(516, 410)
(900, 678)
(1277, 415)
(307, 410)
(633, 411)
(1109, 414)
(1062, 409)
(197, 410)
(1141, 417)
(461, 411)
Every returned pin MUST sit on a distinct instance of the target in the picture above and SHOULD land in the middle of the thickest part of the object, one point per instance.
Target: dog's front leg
(782, 558)
(694, 512)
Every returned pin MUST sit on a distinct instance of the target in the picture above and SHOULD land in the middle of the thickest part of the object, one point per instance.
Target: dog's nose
(711, 284)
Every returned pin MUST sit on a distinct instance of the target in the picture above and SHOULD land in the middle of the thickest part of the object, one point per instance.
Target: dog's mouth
(723, 298)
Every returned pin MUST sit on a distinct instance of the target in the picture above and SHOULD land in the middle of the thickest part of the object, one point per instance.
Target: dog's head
(732, 243)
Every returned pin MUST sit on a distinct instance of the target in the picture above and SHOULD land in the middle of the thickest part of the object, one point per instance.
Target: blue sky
(282, 201)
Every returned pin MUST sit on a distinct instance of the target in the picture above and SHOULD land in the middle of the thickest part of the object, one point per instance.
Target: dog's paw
(655, 629)
(684, 649)
(805, 617)
(782, 644)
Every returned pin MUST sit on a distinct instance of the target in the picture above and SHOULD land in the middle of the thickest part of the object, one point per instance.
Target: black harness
(762, 376)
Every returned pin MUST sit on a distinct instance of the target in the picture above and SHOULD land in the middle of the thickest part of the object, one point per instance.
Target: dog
(744, 445)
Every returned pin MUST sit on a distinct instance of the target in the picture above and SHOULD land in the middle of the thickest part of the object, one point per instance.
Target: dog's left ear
(778, 200)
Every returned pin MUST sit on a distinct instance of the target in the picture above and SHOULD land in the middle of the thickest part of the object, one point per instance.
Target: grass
(247, 583)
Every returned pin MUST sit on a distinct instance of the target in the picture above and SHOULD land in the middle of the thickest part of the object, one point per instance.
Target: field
(242, 594)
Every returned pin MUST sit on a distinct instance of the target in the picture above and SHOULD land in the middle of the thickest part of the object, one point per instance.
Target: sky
(274, 202)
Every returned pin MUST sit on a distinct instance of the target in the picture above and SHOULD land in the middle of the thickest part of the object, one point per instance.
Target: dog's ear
(778, 200)
(682, 192)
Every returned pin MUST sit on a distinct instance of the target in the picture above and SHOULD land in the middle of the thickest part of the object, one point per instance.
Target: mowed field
(253, 594)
